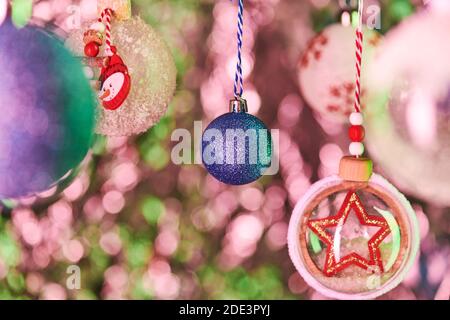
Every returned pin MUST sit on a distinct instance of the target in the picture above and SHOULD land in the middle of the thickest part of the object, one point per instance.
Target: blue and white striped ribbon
(238, 80)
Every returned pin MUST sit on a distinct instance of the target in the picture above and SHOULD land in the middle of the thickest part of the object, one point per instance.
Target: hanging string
(106, 15)
(356, 131)
(238, 79)
(359, 52)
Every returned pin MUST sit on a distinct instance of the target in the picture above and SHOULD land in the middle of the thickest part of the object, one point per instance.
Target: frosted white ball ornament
(152, 71)
(326, 71)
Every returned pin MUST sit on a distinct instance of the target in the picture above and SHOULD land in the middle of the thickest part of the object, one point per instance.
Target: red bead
(356, 133)
(91, 49)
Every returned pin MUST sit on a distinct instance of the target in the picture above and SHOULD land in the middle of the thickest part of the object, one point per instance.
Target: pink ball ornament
(326, 71)
(409, 115)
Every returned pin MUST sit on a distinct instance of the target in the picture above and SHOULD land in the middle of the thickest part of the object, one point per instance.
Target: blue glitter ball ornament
(47, 111)
(237, 146)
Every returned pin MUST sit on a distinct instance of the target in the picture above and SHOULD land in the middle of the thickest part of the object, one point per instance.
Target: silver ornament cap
(238, 105)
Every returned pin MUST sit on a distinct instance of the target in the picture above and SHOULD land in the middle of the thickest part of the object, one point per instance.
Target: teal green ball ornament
(47, 111)
(237, 146)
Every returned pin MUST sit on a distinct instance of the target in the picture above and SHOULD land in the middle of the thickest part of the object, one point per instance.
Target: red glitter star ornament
(319, 226)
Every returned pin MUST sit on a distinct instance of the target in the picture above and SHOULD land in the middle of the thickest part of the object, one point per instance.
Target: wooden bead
(355, 169)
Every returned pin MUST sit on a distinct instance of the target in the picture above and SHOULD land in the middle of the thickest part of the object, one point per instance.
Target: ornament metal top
(238, 105)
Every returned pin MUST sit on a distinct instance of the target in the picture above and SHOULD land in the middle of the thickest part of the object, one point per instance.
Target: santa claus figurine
(115, 82)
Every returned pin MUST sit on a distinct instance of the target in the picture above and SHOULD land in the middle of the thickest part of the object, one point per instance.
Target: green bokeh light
(21, 12)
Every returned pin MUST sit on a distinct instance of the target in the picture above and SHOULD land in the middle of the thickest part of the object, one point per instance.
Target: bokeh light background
(140, 227)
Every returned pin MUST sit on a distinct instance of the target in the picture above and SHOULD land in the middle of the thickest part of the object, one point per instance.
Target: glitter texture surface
(47, 111)
(237, 148)
(153, 77)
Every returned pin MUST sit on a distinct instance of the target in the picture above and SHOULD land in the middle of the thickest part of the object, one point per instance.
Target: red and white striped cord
(359, 51)
(356, 131)
(106, 16)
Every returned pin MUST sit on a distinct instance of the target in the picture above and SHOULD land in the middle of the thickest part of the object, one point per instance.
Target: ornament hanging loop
(359, 52)
(238, 79)
(105, 17)
(356, 131)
